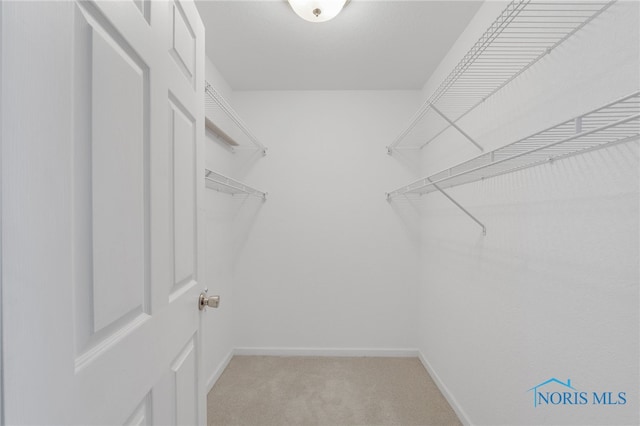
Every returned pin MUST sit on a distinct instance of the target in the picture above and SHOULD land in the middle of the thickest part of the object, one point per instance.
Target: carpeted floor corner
(270, 391)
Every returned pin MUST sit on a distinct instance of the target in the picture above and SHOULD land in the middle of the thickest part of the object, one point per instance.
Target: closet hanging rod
(222, 183)
(221, 102)
(513, 43)
(614, 123)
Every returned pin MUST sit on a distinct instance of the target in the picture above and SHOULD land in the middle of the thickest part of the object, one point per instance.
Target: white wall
(228, 220)
(217, 330)
(552, 290)
(327, 263)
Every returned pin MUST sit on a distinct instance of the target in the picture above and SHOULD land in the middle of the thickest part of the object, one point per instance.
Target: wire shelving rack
(525, 32)
(244, 138)
(222, 183)
(614, 123)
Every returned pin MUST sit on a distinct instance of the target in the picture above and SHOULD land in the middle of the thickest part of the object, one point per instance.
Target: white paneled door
(102, 124)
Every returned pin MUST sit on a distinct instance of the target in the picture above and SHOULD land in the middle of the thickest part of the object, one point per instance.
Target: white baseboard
(464, 418)
(342, 352)
(219, 370)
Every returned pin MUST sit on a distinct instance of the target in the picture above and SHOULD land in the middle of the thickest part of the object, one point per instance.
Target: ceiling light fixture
(317, 10)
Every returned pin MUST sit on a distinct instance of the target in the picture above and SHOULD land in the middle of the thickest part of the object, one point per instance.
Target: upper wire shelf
(614, 123)
(525, 32)
(242, 136)
(222, 183)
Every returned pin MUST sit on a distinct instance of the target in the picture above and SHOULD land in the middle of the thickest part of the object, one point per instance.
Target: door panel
(111, 215)
(120, 186)
(183, 44)
(100, 212)
(183, 143)
(145, 7)
(142, 414)
(184, 370)
(173, 396)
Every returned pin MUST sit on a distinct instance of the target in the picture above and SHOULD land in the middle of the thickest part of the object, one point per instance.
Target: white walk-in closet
(441, 196)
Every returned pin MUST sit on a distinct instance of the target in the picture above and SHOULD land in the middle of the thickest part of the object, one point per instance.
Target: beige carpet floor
(265, 391)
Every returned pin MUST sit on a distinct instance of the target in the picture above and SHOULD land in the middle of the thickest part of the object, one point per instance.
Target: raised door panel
(183, 43)
(182, 137)
(119, 195)
(111, 184)
(184, 372)
(142, 414)
(175, 397)
(144, 6)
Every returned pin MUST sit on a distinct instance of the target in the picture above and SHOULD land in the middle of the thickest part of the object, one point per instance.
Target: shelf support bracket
(455, 126)
(484, 228)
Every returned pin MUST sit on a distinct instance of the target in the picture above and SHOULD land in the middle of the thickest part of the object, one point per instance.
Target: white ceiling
(370, 45)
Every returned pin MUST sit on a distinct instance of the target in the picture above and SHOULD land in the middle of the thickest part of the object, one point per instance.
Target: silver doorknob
(205, 300)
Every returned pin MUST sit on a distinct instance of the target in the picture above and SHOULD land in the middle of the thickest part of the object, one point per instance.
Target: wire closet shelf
(524, 33)
(214, 102)
(222, 183)
(611, 124)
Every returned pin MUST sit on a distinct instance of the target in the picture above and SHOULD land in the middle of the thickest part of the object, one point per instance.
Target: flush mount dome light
(317, 10)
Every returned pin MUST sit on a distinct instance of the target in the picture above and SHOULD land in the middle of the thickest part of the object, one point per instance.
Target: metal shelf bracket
(455, 126)
(484, 228)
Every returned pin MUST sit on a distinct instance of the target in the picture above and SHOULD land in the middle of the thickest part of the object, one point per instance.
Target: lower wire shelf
(222, 183)
(613, 123)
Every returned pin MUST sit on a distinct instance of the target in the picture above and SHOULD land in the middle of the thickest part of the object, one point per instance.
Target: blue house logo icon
(545, 397)
(560, 393)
